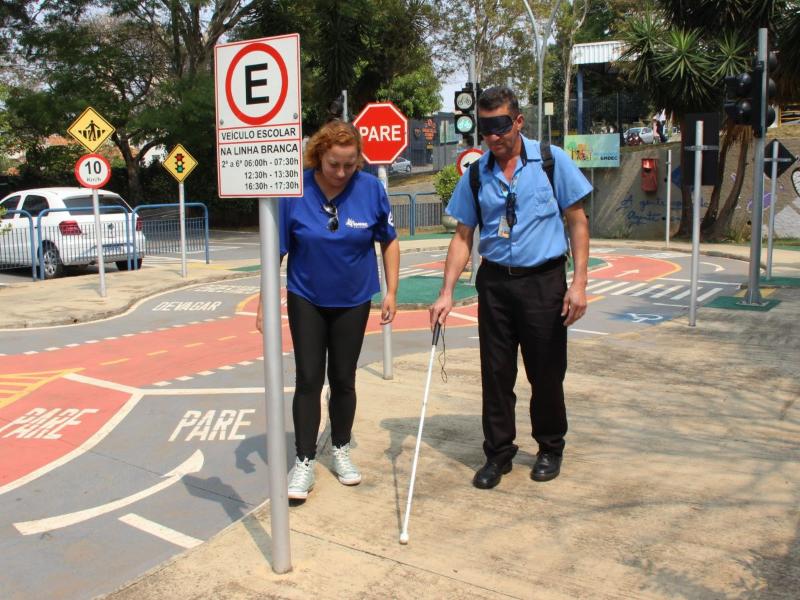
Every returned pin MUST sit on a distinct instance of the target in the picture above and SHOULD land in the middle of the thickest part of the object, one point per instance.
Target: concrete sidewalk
(681, 480)
(681, 476)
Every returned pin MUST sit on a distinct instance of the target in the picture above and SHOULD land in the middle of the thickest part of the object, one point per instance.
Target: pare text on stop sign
(381, 133)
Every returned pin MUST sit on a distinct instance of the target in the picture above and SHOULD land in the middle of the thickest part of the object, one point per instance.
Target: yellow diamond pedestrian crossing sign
(91, 129)
(179, 163)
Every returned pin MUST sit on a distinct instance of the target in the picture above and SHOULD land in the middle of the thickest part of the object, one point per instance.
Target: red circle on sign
(86, 180)
(284, 83)
(468, 153)
(380, 121)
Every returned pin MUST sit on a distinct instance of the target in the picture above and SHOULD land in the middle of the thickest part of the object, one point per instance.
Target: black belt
(509, 270)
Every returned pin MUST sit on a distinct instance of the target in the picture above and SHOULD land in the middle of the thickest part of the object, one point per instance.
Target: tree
(371, 48)
(570, 19)
(416, 94)
(495, 30)
(680, 53)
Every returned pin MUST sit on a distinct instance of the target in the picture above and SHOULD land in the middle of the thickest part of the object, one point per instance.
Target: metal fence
(16, 244)
(409, 212)
(148, 230)
(161, 226)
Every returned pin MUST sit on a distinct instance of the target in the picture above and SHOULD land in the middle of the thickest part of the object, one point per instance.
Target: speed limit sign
(92, 171)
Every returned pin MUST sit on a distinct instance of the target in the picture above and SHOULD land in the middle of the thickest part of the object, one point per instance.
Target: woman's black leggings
(316, 332)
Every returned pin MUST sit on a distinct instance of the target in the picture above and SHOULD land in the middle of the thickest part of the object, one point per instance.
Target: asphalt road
(136, 437)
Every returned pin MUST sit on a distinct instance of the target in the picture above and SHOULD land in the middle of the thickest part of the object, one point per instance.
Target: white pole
(773, 200)
(182, 211)
(696, 200)
(386, 330)
(98, 234)
(273, 384)
(669, 195)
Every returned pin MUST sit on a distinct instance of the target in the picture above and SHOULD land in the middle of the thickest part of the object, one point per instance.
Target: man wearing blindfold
(523, 298)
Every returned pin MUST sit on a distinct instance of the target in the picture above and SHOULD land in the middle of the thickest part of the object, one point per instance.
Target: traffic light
(465, 117)
(761, 105)
(738, 98)
(744, 101)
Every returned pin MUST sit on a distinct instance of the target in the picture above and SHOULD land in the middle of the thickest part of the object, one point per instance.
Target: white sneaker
(345, 470)
(301, 478)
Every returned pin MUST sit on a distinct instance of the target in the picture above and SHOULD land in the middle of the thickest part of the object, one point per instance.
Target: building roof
(597, 52)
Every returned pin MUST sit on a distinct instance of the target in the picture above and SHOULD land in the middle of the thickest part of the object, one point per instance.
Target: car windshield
(86, 202)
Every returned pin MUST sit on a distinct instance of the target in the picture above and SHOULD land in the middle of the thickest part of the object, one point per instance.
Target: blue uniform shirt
(335, 268)
(538, 235)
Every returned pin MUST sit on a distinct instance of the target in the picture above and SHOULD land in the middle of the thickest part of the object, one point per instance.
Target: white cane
(404, 533)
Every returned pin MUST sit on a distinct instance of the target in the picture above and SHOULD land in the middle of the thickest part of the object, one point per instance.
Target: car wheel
(408, 169)
(53, 267)
(122, 265)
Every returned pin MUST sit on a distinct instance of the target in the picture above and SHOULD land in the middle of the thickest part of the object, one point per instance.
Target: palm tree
(681, 52)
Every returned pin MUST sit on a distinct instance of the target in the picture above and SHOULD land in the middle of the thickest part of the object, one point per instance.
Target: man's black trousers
(522, 309)
(317, 333)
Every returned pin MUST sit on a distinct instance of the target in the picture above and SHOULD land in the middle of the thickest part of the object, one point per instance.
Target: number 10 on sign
(92, 171)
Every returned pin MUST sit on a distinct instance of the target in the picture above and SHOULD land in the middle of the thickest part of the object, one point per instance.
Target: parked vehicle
(68, 232)
(645, 135)
(400, 165)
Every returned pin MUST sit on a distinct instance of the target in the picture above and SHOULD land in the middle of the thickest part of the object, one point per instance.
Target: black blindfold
(495, 125)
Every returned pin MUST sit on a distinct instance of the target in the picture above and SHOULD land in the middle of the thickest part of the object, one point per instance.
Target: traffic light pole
(753, 295)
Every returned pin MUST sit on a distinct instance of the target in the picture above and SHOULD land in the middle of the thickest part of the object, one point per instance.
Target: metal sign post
(669, 197)
(753, 295)
(93, 171)
(384, 135)
(273, 383)
(259, 146)
(696, 201)
(386, 330)
(180, 163)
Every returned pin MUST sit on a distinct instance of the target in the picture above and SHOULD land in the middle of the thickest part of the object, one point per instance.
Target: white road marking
(717, 268)
(652, 288)
(635, 286)
(160, 531)
(668, 304)
(674, 288)
(85, 446)
(737, 284)
(596, 283)
(161, 383)
(247, 314)
(208, 391)
(31, 352)
(588, 331)
(226, 368)
(110, 385)
(685, 293)
(609, 286)
(465, 317)
(184, 378)
(708, 294)
(51, 348)
(191, 465)
(204, 373)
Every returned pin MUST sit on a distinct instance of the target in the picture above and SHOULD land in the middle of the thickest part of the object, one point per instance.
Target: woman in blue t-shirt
(329, 234)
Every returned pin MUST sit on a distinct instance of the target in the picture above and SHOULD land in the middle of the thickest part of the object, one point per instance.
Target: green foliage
(50, 166)
(444, 182)
(416, 94)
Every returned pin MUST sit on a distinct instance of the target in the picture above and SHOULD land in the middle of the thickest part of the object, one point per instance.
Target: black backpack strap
(548, 162)
(475, 185)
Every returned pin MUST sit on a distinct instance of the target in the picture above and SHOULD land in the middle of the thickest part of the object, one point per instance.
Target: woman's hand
(388, 308)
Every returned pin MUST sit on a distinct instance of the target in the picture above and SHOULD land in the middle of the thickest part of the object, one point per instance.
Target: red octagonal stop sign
(384, 132)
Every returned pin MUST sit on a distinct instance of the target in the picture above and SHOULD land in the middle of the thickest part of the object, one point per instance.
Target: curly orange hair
(333, 133)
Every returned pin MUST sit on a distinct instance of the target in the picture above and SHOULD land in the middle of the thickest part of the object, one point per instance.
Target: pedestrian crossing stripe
(14, 386)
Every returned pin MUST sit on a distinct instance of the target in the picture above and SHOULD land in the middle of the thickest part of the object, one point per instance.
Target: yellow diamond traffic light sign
(179, 163)
(91, 129)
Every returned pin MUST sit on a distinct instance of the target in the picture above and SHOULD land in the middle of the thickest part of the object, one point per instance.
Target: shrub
(444, 182)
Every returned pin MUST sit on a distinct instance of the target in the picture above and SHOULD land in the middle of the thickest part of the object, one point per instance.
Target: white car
(400, 165)
(68, 232)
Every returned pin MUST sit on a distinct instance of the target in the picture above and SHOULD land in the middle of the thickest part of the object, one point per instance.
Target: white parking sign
(259, 125)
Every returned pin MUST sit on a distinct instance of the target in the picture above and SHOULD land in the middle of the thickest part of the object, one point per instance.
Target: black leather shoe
(547, 466)
(490, 474)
